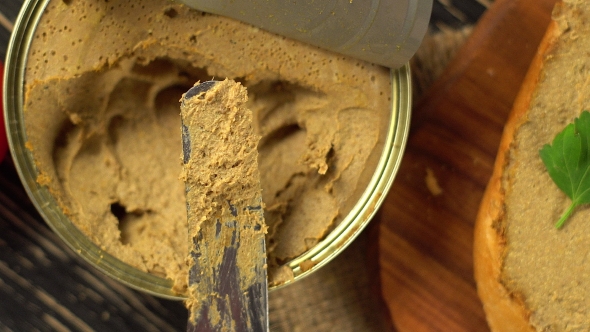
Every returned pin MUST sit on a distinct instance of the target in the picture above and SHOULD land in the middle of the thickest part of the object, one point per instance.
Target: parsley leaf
(568, 163)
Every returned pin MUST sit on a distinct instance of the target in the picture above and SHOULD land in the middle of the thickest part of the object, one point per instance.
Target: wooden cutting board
(424, 238)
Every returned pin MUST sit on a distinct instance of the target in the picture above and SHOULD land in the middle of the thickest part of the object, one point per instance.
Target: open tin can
(393, 141)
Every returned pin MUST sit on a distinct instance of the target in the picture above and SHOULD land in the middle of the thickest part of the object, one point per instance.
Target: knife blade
(227, 265)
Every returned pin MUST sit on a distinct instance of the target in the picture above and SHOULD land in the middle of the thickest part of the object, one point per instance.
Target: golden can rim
(377, 188)
(322, 253)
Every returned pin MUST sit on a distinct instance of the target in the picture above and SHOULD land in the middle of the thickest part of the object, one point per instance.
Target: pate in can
(91, 104)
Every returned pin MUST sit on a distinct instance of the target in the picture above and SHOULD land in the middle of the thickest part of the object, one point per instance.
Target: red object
(3, 139)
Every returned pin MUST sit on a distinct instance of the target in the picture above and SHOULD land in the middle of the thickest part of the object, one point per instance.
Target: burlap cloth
(345, 294)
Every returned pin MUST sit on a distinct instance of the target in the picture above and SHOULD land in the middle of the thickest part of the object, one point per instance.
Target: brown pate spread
(102, 85)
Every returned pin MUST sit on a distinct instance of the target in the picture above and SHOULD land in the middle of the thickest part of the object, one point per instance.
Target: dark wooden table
(44, 286)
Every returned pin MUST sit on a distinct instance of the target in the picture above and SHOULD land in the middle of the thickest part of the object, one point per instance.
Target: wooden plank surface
(424, 237)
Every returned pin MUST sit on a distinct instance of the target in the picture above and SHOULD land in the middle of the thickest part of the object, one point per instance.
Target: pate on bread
(530, 275)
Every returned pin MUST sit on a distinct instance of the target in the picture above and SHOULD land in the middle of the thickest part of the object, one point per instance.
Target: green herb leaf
(568, 162)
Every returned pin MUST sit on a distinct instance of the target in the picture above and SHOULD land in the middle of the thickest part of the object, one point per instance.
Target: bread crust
(505, 309)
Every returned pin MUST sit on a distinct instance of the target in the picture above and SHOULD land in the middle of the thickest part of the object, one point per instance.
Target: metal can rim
(378, 187)
(328, 248)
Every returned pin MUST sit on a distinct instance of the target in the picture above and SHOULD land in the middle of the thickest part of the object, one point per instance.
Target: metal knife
(227, 264)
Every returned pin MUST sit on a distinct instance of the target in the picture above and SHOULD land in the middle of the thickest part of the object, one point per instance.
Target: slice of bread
(531, 276)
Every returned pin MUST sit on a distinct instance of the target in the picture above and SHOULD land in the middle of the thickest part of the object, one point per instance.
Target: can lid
(385, 32)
